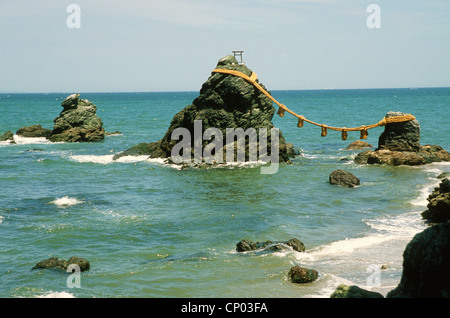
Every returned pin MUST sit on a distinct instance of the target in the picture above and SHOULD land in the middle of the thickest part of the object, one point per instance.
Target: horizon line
(189, 91)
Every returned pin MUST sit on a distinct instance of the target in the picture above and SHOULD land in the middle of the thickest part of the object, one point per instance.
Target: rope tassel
(300, 122)
(324, 131)
(280, 112)
(344, 135)
(364, 134)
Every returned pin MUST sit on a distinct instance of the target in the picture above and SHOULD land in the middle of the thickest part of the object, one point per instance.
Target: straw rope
(301, 119)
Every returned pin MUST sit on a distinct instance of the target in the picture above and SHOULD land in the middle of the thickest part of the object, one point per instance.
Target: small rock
(114, 133)
(7, 136)
(343, 179)
(52, 262)
(358, 144)
(296, 245)
(247, 245)
(34, 131)
(81, 262)
(55, 262)
(345, 291)
(300, 275)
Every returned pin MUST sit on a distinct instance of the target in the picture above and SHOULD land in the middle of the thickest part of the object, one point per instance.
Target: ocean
(152, 230)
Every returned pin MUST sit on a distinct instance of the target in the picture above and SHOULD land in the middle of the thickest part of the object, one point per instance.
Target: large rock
(78, 122)
(344, 179)
(225, 101)
(426, 265)
(345, 291)
(438, 208)
(247, 245)
(399, 144)
(55, 262)
(403, 136)
(34, 131)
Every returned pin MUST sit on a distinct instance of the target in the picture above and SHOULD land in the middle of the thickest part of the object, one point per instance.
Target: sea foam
(20, 140)
(66, 201)
(107, 159)
(57, 295)
(102, 159)
(434, 170)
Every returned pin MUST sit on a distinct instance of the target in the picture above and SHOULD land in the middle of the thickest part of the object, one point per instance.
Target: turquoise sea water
(152, 230)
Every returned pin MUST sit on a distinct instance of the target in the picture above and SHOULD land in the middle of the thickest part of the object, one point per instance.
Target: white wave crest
(57, 295)
(20, 140)
(434, 170)
(102, 159)
(401, 228)
(107, 159)
(66, 201)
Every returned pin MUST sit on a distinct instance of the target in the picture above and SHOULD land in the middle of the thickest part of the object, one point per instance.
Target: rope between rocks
(282, 108)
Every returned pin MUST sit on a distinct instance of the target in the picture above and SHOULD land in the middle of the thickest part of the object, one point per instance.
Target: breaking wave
(66, 201)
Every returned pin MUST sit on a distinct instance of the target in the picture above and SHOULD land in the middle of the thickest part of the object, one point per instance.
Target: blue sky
(172, 45)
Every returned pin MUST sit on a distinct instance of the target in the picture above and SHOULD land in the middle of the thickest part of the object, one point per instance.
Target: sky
(173, 45)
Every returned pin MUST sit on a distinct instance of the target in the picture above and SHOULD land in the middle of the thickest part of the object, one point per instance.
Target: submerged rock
(78, 122)
(55, 262)
(344, 179)
(345, 291)
(399, 144)
(225, 101)
(247, 245)
(301, 275)
(34, 131)
(426, 264)
(438, 208)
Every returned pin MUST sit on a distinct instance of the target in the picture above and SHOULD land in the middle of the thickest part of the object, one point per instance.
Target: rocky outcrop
(247, 245)
(301, 275)
(426, 264)
(399, 144)
(78, 122)
(345, 291)
(404, 136)
(344, 179)
(438, 208)
(426, 154)
(7, 136)
(225, 102)
(55, 262)
(34, 131)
